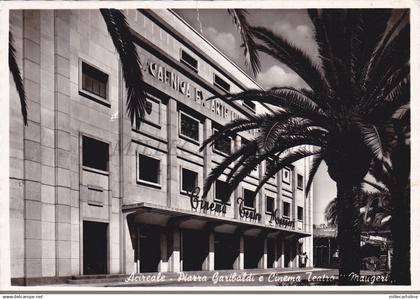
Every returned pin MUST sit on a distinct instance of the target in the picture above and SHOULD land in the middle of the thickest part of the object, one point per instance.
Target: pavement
(222, 278)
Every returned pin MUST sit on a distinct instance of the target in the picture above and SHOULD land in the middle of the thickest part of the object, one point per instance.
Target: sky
(294, 25)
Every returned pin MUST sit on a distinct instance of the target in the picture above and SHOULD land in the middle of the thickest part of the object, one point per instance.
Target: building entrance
(95, 247)
(148, 248)
(253, 250)
(226, 250)
(195, 245)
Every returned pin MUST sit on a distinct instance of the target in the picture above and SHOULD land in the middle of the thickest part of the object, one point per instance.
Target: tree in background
(362, 80)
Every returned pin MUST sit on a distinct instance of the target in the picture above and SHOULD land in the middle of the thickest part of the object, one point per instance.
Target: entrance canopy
(174, 218)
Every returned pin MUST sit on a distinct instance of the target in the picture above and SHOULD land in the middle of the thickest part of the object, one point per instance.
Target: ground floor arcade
(165, 241)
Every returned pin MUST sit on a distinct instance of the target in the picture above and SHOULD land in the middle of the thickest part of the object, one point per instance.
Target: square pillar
(130, 264)
(276, 255)
(239, 262)
(163, 264)
(282, 254)
(175, 252)
(172, 168)
(263, 259)
(208, 264)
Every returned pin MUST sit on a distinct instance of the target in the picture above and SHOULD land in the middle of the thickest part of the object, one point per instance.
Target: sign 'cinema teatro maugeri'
(92, 195)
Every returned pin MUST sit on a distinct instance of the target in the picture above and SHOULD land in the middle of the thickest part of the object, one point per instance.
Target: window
(189, 127)
(189, 60)
(269, 165)
(300, 213)
(300, 181)
(95, 153)
(223, 144)
(148, 169)
(254, 171)
(221, 191)
(250, 105)
(152, 110)
(249, 198)
(286, 209)
(269, 204)
(219, 82)
(286, 175)
(188, 180)
(94, 81)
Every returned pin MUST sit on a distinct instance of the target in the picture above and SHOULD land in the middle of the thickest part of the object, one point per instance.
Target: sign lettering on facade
(204, 205)
(176, 83)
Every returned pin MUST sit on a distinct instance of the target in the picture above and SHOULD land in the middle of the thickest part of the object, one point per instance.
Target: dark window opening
(223, 144)
(189, 60)
(219, 82)
(286, 209)
(149, 107)
(95, 153)
(189, 127)
(249, 199)
(149, 169)
(300, 213)
(300, 181)
(189, 180)
(269, 204)
(269, 165)
(221, 191)
(94, 81)
(286, 176)
(250, 105)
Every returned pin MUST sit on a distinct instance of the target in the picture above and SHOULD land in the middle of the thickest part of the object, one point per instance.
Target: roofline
(215, 48)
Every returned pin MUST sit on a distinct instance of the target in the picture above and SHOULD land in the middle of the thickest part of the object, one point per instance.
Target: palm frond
(388, 35)
(330, 213)
(282, 163)
(316, 162)
(403, 112)
(372, 139)
(332, 37)
(280, 49)
(395, 55)
(118, 28)
(288, 143)
(14, 69)
(218, 170)
(376, 186)
(236, 126)
(369, 31)
(250, 51)
(294, 102)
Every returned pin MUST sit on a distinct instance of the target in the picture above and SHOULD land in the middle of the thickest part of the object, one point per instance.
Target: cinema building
(90, 194)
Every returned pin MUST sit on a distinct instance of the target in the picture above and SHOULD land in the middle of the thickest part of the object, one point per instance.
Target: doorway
(195, 247)
(253, 250)
(226, 250)
(148, 248)
(95, 247)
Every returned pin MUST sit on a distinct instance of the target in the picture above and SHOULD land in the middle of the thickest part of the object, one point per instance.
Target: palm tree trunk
(400, 230)
(348, 233)
(400, 225)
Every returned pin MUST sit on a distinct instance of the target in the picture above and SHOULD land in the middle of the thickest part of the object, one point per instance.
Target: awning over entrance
(170, 217)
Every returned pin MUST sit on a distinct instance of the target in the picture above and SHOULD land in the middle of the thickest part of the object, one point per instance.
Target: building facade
(90, 194)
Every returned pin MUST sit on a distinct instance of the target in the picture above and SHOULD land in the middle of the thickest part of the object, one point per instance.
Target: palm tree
(394, 173)
(375, 211)
(362, 79)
